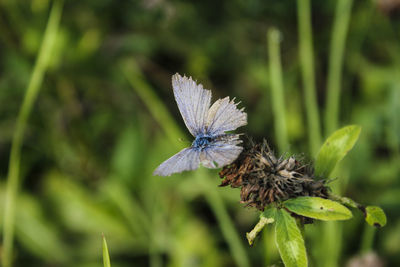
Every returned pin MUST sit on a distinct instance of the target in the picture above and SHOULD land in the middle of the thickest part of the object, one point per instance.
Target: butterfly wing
(224, 116)
(185, 160)
(221, 152)
(193, 102)
(194, 105)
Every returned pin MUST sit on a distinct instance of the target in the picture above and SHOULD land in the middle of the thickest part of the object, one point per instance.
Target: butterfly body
(202, 141)
(212, 146)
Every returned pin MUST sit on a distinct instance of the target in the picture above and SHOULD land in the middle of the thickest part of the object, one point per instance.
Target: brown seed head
(264, 178)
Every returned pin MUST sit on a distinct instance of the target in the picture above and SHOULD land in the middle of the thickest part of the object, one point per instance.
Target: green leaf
(269, 213)
(318, 208)
(335, 148)
(106, 256)
(289, 240)
(266, 217)
(375, 216)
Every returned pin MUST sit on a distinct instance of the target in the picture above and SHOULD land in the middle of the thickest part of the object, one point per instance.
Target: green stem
(367, 239)
(271, 253)
(337, 46)
(31, 94)
(277, 91)
(308, 76)
(345, 201)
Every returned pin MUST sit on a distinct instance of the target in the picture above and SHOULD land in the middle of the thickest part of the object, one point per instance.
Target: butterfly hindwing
(221, 152)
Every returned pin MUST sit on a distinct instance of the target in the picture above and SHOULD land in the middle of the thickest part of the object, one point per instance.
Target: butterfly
(212, 147)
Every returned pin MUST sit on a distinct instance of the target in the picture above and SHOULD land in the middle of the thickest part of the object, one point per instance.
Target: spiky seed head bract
(265, 178)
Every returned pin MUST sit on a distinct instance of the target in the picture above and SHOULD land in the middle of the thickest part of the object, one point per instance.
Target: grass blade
(277, 93)
(151, 100)
(32, 91)
(106, 256)
(338, 40)
(308, 76)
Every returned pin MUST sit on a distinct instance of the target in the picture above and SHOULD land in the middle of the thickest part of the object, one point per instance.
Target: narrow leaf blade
(335, 148)
(318, 208)
(289, 240)
(106, 256)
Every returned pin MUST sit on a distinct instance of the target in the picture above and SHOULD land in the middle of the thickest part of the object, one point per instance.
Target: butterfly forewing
(186, 160)
(193, 102)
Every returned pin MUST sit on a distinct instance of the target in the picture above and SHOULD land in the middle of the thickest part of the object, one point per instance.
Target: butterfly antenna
(182, 140)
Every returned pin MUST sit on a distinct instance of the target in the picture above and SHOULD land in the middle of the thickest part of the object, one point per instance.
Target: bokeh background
(105, 117)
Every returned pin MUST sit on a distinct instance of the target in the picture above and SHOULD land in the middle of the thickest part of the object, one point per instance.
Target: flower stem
(346, 201)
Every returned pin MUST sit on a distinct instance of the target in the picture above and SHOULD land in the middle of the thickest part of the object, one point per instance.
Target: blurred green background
(105, 117)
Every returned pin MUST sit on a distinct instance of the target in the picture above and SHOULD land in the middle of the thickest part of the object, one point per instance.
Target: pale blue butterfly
(212, 147)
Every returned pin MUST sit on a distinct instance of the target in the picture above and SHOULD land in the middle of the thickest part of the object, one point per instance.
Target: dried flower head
(264, 178)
